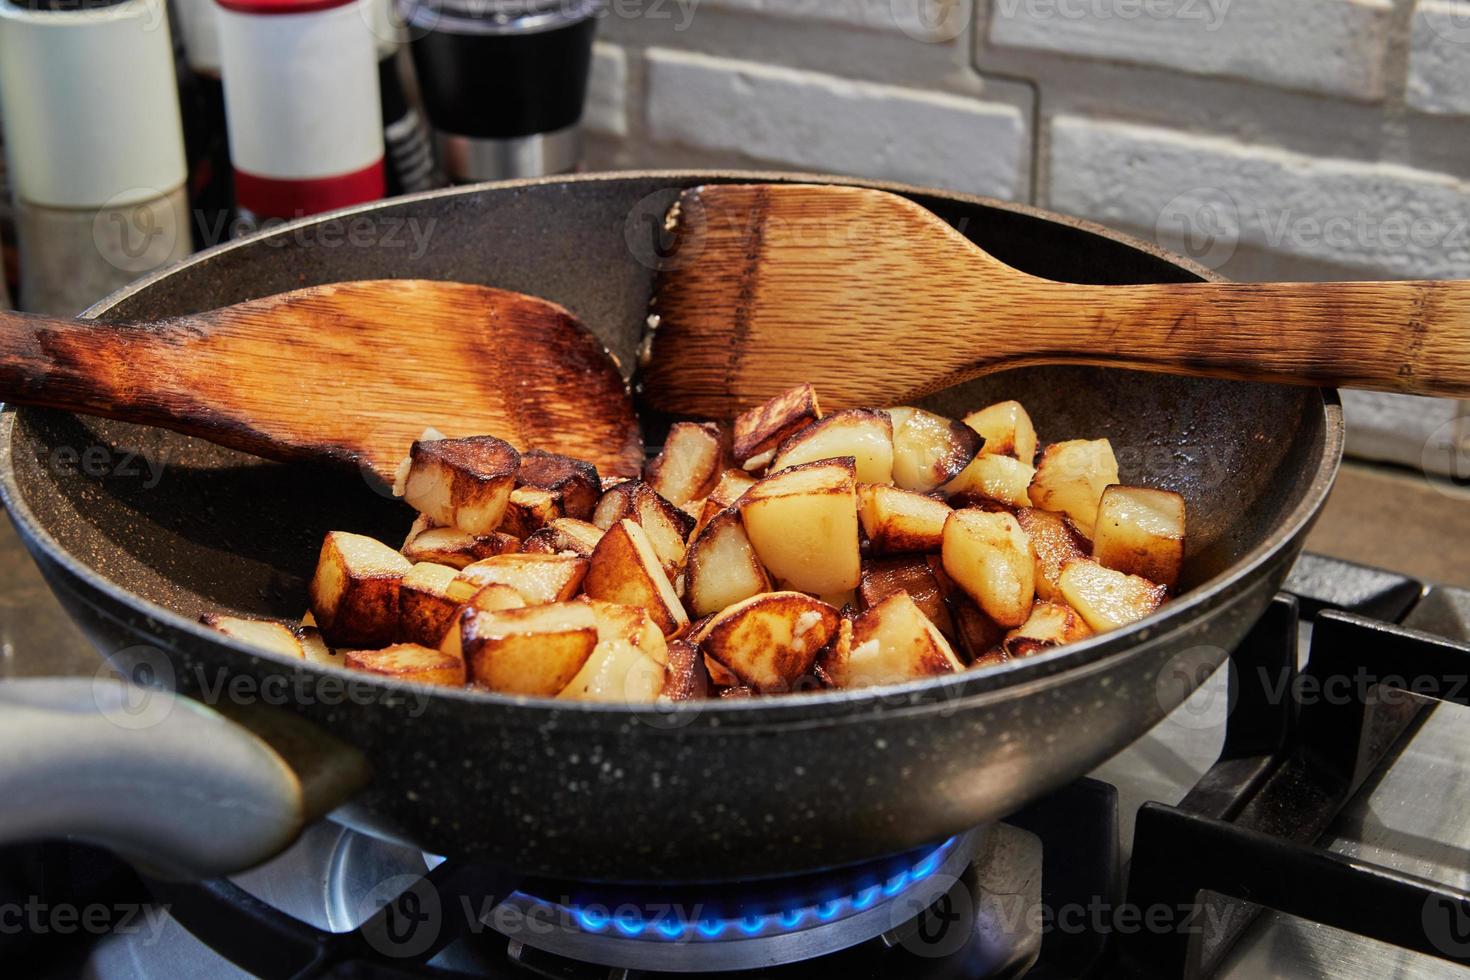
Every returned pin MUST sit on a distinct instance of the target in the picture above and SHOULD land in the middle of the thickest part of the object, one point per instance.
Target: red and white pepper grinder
(301, 104)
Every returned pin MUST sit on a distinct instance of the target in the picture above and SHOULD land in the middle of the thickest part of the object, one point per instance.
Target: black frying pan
(702, 791)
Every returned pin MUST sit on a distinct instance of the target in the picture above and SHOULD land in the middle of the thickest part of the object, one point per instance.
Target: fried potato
(977, 636)
(760, 430)
(1051, 624)
(535, 651)
(409, 662)
(998, 478)
(891, 643)
(489, 598)
(720, 675)
(929, 450)
(564, 534)
(528, 511)
(1105, 598)
(624, 568)
(616, 621)
(354, 592)
(1006, 429)
(616, 673)
(574, 482)
(667, 526)
(267, 634)
(914, 575)
(864, 434)
(428, 598)
(731, 485)
(1071, 478)
(768, 641)
(722, 567)
(537, 578)
(316, 650)
(1055, 543)
(1141, 532)
(737, 693)
(463, 483)
(687, 677)
(990, 558)
(833, 657)
(690, 464)
(453, 547)
(898, 521)
(803, 525)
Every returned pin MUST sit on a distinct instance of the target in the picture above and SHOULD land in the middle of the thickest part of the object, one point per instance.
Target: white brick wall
(1332, 46)
(822, 122)
(606, 111)
(1439, 60)
(929, 20)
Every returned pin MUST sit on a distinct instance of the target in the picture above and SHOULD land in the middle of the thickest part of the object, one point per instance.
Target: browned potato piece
(455, 548)
(354, 593)
(625, 568)
(977, 634)
(428, 598)
(573, 481)
(667, 526)
(833, 658)
(617, 672)
(463, 483)
(732, 484)
(929, 450)
(688, 678)
(616, 621)
(409, 662)
(316, 650)
(535, 651)
(1141, 532)
(690, 463)
(616, 503)
(914, 575)
(529, 510)
(1106, 598)
(803, 525)
(1071, 478)
(1006, 429)
(760, 430)
(862, 433)
(1055, 543)
(720, 675)
(999, 478)
(989, 556)
(892, 642)
(538, 578)
(267, 634)
(769, 641)
(564, 534)
(737, 693)
(490, 598)
(1050, 624)
(898, 521)
(722, 568)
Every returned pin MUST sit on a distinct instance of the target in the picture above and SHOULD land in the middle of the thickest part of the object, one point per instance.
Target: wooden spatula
(875, 300)
(351, 372)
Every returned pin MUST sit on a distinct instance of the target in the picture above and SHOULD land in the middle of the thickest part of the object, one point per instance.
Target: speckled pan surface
(140, 530)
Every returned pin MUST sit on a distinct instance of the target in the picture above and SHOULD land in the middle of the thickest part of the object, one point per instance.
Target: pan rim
(1017, 679)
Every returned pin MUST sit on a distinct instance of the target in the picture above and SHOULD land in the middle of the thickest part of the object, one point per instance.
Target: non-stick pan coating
(715, 790)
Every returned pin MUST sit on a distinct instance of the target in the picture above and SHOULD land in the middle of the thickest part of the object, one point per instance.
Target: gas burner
(694, 929)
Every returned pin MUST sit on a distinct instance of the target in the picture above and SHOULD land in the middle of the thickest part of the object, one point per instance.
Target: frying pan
(700, 791)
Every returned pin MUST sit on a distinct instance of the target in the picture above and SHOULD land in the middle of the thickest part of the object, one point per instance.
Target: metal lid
(495, 16)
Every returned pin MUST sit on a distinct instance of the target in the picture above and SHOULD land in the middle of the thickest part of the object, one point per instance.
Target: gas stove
(1295, 817)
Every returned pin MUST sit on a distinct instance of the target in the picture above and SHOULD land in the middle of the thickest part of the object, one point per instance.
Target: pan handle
(162, 779)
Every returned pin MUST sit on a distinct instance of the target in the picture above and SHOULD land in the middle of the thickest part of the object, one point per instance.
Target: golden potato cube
(354, 592)
(977, 634)
(267, 634)
(1051, 624)
(1006, 429)
(687, 677)
(758, 431)
(453, 547)
(428, 598)
(803, 525)
(538, 579)
(408, 662)
(1055, 543)
(990, 558)
(463, 483)
(929, 450)
(489, 598)
(720, 675)
(574, 482)
(914, 575)
(1141, 532)
(998, 478)
(616, 672)
(768, 641)
(892, 642)
(1071, 478)
(862, 433)
(723, 568)
(898, 521)
(534, 651)
(528, 511)
(667, 526)
(624, 568)
(1105, 598)
(564, 534)
(731, 485)
(316, 649)
(689, 465)
(631, 624)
